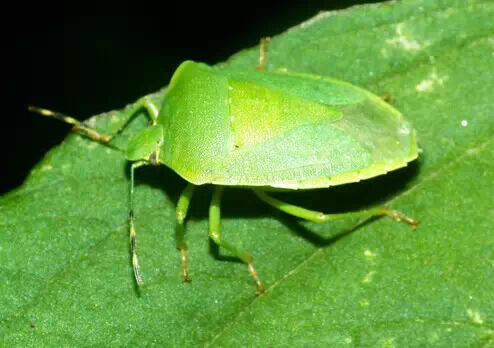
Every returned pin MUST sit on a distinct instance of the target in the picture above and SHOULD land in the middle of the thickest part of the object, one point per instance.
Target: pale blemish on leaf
(432, 80)
(348, 340)
(434, 338)
(424, 85)
(402, 40)
(114, 118)
(91, 121)
(46, 167)
(364, 303)
(475, 316)
(92, 145)
(384, 52)
(368, 277)
(369, 253)
(388, 342)
(464, 123)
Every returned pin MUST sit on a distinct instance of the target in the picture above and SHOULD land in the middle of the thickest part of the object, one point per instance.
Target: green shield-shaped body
(278, 129)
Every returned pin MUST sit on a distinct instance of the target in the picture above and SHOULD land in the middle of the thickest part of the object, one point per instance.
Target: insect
(262, 130)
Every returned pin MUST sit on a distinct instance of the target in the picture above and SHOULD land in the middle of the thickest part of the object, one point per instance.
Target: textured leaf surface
(65, 264)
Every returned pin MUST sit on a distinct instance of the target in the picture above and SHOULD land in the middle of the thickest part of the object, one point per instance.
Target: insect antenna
(78, 126)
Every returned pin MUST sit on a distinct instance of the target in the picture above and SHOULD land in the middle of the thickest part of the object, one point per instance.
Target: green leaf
(65, 264)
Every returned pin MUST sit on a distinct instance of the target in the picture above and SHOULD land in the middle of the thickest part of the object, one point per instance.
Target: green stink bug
(263, 130)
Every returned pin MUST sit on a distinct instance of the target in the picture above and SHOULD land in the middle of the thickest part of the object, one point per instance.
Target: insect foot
(260, 287)
(399, 216)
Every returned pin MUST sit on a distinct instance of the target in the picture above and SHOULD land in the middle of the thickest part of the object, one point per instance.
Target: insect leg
(263, 57)
(182, 207)
(129, 113)
(319, 217)
(146, 103)
(215, 235)
(133, 245)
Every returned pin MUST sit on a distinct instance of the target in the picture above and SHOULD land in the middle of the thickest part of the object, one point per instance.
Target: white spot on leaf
(464, 123)
(432, 80)
(369, 253)
(475, 316)
(403, 40)
(368, 277)
(424, 85)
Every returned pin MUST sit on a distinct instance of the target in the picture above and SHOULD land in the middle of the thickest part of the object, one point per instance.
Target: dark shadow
(243, 203)
(315, 239)
(214, 250)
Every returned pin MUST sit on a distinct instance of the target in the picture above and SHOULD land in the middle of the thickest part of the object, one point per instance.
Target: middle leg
(182, 207)
(215, 235)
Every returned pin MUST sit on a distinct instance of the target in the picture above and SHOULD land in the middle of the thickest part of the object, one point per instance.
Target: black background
(85, 65)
